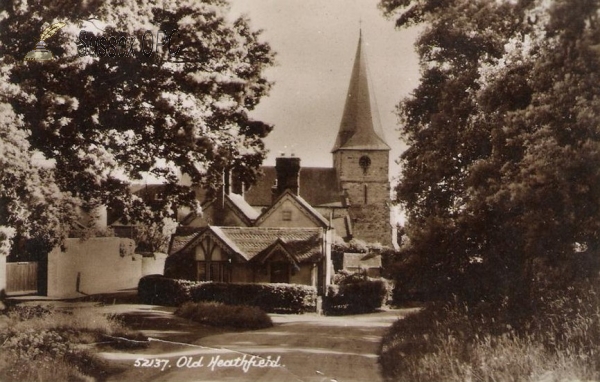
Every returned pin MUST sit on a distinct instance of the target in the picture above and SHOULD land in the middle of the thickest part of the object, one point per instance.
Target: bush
(42, 344)
(355, 294)
(454, 342)
(217, 314)
(272, 298)
(161, 290)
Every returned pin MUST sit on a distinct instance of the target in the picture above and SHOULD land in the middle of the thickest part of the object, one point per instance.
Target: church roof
(360, 128)
(318, 186)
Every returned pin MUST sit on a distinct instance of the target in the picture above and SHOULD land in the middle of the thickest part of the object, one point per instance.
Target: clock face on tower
(364, 162)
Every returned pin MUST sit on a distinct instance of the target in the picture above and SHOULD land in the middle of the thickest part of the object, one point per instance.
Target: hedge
(161, 290)
(272, 298)
(361, 296)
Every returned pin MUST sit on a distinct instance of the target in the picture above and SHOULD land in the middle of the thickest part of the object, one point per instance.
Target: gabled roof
(246, 209)
(318, 186)
(303, 244)
(302, 205)
(360, 128)
(181, 239)
(278, 245)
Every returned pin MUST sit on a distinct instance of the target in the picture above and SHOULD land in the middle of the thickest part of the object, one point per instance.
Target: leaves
(99, 115)
(501, 177)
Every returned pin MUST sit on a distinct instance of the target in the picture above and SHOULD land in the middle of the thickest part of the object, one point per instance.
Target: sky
(316, 42)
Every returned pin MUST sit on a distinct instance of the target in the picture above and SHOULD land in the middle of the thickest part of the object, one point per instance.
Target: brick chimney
(288, 174)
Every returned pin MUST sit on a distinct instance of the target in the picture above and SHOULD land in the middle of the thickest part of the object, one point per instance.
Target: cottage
(289, 242)
(251, 255)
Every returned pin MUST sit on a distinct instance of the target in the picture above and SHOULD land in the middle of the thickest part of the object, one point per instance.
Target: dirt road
(298, 348)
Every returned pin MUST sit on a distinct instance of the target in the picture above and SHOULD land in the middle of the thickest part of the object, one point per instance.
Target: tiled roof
(180, 240)
(318, 186)
(304, 244)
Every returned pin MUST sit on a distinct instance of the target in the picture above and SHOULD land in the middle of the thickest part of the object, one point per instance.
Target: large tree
(111, 103)
(31, 204)
(502, 177)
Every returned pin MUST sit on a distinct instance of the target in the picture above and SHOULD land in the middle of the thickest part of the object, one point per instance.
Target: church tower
(361, 158)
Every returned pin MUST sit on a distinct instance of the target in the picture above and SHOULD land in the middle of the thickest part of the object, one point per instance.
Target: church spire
(360, 128)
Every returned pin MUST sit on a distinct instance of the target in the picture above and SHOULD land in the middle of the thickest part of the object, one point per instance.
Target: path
(309, 348)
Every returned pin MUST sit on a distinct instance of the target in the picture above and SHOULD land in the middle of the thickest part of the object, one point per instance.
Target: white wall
(101, 264)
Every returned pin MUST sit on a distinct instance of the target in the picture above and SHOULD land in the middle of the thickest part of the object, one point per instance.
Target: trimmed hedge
(357, 296)
(272, 298)
(217, 314)
(161, 290)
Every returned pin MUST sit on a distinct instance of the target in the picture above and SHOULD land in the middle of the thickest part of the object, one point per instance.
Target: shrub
(45, 346)
(27, 312)
(217, 314)
(160, 290)
(453, 342)
(355, 294)
(272, 298)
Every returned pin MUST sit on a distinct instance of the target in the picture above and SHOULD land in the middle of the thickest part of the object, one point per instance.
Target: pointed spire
(360, 128)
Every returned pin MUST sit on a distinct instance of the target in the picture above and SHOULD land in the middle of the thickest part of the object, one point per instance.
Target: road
(297, 348)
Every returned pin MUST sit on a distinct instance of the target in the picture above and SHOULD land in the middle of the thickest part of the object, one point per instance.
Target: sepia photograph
(286, 190)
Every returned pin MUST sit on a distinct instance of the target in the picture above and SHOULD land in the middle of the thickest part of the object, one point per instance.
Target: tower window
(364, 162)
(366, 189)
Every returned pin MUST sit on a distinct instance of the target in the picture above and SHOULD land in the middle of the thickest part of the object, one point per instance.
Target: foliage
(154, 237)
(501, 179)
(160, 290)
(31, 204)
(43, 344)
(99, 116)
(272, 298)
(355, 293)
(452, 342)
(217, 314)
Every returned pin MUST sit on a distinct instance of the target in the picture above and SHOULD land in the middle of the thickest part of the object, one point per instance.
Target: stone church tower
(361, 158)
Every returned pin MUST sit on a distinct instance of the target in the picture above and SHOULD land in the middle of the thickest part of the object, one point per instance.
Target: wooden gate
(21, 278)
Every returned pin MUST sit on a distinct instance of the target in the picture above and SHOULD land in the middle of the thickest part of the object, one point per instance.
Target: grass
(217, 314)
(42, 344)
(453, 343)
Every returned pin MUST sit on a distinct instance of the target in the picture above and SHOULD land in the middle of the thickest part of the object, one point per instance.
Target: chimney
(288, 174)
(237, 185)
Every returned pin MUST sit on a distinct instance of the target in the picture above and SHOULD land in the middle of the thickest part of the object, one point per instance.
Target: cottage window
(217, 271)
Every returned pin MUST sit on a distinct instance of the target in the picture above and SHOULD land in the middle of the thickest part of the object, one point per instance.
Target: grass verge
(41, 344)
(454, 343)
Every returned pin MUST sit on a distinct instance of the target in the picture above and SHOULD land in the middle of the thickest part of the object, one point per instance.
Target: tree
(501, 178)
(112, 102)
(31, 205)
